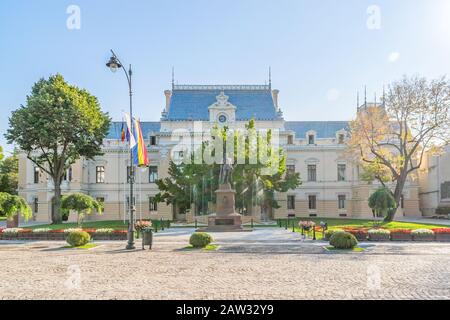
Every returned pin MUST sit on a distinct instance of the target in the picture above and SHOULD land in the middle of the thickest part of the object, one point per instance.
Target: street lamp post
(114, 64)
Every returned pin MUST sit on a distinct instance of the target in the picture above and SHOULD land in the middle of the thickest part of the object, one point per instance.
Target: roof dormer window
(311, 139)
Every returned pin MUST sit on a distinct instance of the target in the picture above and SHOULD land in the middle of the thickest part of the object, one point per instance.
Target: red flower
(442, 230)
(25, 231)
(120, 231)
(57, 231)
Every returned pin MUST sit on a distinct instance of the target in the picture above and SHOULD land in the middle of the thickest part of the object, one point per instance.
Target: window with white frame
(36, 174)
(341, 170)
(153, 205)
(312, 172)
(291, 202)
(100, 174)
(312, 202)
(152, 174)
(341, 201)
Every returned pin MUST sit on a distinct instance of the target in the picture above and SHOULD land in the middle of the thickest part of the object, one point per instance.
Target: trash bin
(147, 238)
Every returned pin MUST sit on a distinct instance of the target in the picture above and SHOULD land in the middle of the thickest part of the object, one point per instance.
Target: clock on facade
(222, 118)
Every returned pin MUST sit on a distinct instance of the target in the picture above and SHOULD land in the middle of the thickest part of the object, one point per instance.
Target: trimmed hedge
(200, 239)
(78, 238)
(343, 240)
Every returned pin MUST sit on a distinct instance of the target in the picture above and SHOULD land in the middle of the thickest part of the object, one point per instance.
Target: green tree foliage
(254, 183)
(59, 124)
(9, 170)
(12, 205)
(382, 202)
(82, 204)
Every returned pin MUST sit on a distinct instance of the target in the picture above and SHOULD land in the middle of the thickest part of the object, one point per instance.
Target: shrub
(70, 230)
(401, 231)
(443, 210)
(343, 240)
(200, 239)
(330, 232)
(78, 238)
(422, 232)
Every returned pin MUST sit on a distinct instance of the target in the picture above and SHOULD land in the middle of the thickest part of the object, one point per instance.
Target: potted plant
(141, 225)
(442, 234)
(401, 235)
(147, 237)
(379, 235)
(423, 235)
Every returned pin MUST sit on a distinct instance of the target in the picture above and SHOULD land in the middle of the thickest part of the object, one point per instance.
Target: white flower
(104, 230)
(423, 231)
(72, 230)
(41, 230)
(12, 230)
(379, 231)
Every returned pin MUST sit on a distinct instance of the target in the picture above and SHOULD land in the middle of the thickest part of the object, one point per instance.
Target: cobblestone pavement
(266, 264)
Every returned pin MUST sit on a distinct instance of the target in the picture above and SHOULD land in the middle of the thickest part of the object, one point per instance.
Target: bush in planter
(343, 240)
(200, 239)
(379, 234)
(423, 235)
(330, 232)
(78, 238)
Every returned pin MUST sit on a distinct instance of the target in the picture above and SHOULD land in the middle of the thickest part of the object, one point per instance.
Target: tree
(12, 205)
(382, 202)
(82, 204)
(59, 124)
(9, 170)
(389, 141)
(196, 183)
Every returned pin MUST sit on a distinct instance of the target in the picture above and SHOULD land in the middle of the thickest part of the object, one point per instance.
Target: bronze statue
(226, 171)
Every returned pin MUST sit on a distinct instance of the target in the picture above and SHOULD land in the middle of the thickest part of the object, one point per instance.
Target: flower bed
(442, 234)
(379, 235)
(45, 234)
(359, 233)
(401, 235)
(423, 235)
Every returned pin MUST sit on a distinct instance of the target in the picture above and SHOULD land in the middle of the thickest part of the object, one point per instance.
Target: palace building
(331, 186)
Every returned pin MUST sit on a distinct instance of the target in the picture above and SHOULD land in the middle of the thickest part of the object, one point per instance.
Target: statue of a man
(226, 170)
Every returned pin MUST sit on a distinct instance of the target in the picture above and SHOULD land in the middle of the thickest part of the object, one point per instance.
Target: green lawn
(336, 223)
(2, 218)
(114, 224)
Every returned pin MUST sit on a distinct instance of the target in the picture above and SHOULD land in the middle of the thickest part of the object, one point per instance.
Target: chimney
(168, 95)
(275, 98)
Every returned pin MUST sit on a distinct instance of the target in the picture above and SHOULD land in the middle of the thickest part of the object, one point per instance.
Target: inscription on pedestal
(224, 222)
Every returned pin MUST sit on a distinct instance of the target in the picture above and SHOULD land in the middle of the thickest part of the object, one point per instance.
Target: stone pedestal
(225, 219)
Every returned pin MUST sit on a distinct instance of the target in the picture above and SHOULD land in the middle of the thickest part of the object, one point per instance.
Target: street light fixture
(114, 64)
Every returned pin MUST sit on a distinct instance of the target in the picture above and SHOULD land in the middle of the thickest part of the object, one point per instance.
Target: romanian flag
(122, 132)
(140, 156)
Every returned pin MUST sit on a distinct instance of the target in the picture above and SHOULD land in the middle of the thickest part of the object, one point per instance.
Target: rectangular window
(312, 172)
(36, 205)
(341, 138)
(341, 200)
(68, 175)
(291, 202)
(153, 205)
(290, 140)
(152, 140)
(312, 202)
(152, 174)
(341, 172)
(311, 139)
(100, 174)
(36, 174)
(290, 169)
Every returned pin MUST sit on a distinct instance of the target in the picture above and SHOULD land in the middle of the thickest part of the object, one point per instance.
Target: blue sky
(321, 51)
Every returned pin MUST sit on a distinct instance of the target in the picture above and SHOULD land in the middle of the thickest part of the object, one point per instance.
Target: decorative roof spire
(173, 77)
(270, 77)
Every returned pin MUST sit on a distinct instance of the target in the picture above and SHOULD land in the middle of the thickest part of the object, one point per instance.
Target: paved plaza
(268, 263)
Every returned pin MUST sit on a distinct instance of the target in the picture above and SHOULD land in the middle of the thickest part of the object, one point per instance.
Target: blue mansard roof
(115, 130)
(323, 129)
(191, 102)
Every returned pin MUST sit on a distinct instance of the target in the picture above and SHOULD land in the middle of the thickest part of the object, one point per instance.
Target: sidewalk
(444, 222)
